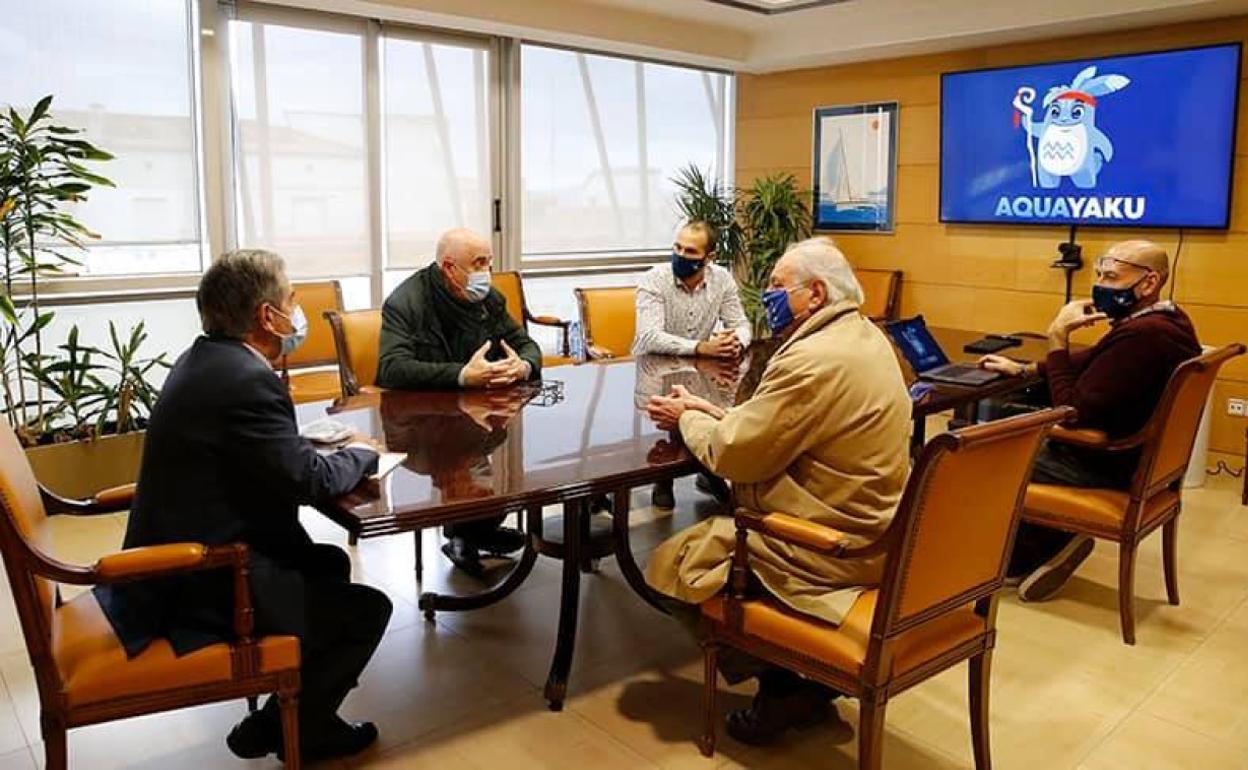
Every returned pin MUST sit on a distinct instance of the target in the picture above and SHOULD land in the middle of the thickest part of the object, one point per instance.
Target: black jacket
(223, 462)
(427, 334)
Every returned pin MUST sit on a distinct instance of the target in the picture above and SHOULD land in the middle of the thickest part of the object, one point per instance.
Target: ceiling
(771, 35)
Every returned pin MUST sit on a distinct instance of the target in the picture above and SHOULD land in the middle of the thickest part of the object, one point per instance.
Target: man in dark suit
(224, 462)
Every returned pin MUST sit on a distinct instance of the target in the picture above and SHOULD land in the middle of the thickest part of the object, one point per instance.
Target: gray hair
(234, 286)
(818, 259)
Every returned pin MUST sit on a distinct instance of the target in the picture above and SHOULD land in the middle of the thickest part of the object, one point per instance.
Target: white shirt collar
(258, 354)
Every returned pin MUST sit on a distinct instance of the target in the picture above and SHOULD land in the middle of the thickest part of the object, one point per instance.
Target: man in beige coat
(825, 438)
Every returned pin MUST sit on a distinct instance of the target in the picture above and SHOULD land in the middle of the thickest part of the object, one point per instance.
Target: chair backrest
(1172, 429)
(357, 339)
(956, 521)
(881, 290)
(609, 317)
(24, 534)
(508, 284)
(316, 298)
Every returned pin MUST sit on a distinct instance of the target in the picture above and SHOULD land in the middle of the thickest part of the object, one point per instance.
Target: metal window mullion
(506, 157)
(374, 118)
(223, 115)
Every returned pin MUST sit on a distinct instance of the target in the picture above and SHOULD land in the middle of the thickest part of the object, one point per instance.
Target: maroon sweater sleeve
(1097, 385)
(1078, 360)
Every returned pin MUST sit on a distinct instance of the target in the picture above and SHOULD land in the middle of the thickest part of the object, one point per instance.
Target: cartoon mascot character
(1069, 143)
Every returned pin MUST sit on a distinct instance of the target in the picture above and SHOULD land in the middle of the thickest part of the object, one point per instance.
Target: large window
(123, 71)
(601, 139)
(348, 144)
(301, 176)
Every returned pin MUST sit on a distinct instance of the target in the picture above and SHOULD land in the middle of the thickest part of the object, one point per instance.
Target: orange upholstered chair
(609, 320)
(510, 285)
(881, 291)
(81, 669)
(1154, 498)
(946, 553)
(306, 370)
(357, 340)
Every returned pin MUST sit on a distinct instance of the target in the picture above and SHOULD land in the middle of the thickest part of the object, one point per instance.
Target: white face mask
(478, 286)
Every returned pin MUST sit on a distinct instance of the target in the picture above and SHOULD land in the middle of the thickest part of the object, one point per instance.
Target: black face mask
(683, 267)
(1115, 303)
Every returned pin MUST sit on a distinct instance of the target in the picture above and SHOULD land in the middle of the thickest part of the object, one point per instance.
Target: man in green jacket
(446, 328)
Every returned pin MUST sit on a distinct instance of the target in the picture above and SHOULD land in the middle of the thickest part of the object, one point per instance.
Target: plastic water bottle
(576, 341)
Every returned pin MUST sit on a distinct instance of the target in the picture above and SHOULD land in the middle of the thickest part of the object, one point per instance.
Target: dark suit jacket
(223, 462)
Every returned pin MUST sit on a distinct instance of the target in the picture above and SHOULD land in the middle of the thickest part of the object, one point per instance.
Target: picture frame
(855, 168)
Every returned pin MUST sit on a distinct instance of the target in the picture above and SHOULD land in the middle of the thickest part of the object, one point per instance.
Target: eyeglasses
(549, 393)
(1105, 263)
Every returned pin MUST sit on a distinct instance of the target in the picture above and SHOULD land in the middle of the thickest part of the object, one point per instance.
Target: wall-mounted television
(1145, 140)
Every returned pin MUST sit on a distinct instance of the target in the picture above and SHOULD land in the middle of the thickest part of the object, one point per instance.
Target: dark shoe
(600, 504)
(662, 496)
(713, 486)
(501, 542)
(344, 739)
(1049, 577)
(464, 557)
(254, 737)
(771, 715)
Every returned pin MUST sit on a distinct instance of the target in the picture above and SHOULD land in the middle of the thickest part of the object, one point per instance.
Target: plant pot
(79, 469)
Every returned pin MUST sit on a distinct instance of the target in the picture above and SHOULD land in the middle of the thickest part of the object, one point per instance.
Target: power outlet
(1235, 407)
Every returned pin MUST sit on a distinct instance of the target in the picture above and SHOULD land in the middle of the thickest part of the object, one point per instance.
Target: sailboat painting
(855, 167)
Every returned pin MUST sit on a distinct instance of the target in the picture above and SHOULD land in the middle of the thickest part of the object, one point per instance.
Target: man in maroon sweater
(1114, 385)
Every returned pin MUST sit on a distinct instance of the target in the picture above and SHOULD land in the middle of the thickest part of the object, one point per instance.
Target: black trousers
(344, 623)
(475, 533)
(1066, 466)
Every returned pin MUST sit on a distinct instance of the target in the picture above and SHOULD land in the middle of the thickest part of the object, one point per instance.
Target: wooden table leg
(624, 550)
(918, 437)
(569, 604)
(431, 602)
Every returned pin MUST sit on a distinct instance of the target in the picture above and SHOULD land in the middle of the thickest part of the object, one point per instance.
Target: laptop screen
(917, 344)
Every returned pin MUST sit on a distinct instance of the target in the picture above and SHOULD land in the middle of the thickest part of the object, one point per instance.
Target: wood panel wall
(995, 278)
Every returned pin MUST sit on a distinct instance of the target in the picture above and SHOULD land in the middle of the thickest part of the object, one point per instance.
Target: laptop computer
(929, 362)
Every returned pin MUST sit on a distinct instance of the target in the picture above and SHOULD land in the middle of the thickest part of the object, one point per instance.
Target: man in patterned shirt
(690, 307)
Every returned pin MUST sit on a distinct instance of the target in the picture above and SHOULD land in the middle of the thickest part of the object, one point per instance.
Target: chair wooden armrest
(596, 353)
(109, 500)
(549, 320)
(807, 534)
(1096, 439)
(171, 559)
(137, 563)
(814, 536)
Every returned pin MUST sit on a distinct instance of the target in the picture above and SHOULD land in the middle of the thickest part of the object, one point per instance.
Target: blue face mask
(478, 286)
(1115, 303)
(299, 330)
(683, 267)
(779, 311)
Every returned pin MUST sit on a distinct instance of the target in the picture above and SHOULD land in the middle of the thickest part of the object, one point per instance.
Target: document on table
(388, 461)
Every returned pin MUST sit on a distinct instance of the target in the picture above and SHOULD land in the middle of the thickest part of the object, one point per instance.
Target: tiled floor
(465, 692)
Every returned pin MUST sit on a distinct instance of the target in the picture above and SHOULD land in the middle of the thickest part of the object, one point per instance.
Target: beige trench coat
(824, 438)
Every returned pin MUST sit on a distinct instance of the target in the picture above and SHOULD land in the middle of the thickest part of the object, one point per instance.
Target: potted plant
(755, 226)
(77, 408)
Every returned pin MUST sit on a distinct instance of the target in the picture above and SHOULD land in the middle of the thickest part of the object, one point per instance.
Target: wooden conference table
(583, 435)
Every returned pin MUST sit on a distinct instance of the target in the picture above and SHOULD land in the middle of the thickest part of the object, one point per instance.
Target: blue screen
(1138, 141)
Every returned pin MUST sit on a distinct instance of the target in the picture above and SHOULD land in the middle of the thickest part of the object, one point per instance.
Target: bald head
(461, 252)
(1146, 254)
(459, 243)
